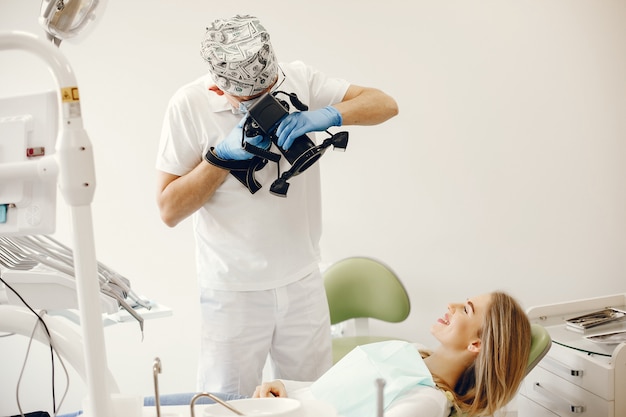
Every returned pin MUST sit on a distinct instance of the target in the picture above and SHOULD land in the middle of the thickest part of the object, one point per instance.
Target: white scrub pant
(240, 329)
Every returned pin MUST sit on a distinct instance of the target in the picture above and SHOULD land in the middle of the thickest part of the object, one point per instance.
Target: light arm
(77, 184)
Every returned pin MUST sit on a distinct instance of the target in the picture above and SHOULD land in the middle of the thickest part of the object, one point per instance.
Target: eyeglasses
(279, 81)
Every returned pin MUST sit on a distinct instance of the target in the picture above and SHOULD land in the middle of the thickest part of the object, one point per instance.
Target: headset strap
(242, 170)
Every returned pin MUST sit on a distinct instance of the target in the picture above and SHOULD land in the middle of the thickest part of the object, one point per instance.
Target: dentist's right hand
(297, 124)
(270, 389)
(231, 147)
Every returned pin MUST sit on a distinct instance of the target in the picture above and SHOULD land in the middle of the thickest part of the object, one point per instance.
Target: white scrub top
(244, 241)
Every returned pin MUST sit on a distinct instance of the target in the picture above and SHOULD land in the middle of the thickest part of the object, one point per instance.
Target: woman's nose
(452, 307)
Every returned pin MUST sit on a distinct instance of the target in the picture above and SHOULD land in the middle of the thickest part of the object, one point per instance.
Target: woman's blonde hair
(494, 377)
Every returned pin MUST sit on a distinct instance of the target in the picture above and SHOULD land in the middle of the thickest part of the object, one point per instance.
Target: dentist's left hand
(270, 389)
(297, 124)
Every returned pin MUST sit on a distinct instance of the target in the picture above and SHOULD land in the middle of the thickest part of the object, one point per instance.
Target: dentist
(257, 255)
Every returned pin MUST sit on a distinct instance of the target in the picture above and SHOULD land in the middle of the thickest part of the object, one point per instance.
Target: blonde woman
(477, 368)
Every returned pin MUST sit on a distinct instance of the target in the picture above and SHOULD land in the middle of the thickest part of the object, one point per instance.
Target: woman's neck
(448, 365)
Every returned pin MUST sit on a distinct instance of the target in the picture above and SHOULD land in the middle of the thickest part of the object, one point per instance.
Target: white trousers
(240, 329)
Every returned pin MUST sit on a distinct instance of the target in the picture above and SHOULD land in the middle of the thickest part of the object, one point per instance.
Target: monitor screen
(28, 131)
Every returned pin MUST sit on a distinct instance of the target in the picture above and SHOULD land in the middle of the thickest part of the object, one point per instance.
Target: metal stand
(380, 397)
(77, 184)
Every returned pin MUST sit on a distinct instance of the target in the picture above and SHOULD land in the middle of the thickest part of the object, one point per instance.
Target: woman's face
(459, 327)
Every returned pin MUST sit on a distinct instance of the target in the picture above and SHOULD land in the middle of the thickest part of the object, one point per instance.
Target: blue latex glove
(231, 148)
(301, 123)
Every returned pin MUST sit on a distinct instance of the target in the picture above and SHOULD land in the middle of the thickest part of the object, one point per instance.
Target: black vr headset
(264, 116)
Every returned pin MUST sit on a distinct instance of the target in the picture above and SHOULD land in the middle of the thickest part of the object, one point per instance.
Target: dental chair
(539, 345)
(359, 289)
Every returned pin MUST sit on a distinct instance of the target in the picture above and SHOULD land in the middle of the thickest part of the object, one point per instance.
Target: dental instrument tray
(41, 270)
(596, 318)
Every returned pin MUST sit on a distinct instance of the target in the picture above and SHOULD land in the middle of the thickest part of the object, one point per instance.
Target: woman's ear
(475, 346)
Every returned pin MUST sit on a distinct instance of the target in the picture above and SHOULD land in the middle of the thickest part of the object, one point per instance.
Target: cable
(67, 378)
(47, 332)
(52, 350)
(19, 380)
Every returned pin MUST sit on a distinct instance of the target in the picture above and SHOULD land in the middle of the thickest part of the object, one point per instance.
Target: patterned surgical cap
(240, 55)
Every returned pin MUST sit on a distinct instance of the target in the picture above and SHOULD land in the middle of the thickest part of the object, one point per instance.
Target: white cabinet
(577, 377)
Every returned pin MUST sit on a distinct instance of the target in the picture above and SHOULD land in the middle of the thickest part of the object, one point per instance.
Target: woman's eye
(465, 309)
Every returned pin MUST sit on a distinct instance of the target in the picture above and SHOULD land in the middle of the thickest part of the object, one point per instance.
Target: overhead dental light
(69, 19)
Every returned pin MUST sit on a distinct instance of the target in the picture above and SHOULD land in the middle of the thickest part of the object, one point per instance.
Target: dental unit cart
(584, 373)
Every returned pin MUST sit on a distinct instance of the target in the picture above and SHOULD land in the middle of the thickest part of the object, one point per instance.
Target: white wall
(504, 170)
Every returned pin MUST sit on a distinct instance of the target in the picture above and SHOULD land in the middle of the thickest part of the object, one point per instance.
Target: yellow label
(69, 94)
